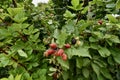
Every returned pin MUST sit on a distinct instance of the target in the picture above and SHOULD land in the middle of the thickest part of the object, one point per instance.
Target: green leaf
(64, 64)
(116, 54)
(114, 39)
(4, 79)
(84, 10)
(4, 60)
(11, 77)
(56, 33)
(118, 25)
(65, 75)
(52, 69)
(40, 74)
(61, 38)
(35, 30)
(68, 14)
(111, 5)
(93, 39)
(30, 29)
(4, 33)
(18, 45)
(75, 3)
(104, 52)
(79, 62)
(111, 18)
(15, 27)
(82, 25)
(18, 77)
(100, 77)
(118, 4)
(106, 73)
(94, 46)
(14, 11)
(110, 60)
(70, 26)
(85, 72)
(20, 18)
(22, 53)
(70, 52)
(100, 62)
(81, 52)
(17, 14)
(96, 69)
(86, 62)
(107, 36)
(99, 35)
(34, 37)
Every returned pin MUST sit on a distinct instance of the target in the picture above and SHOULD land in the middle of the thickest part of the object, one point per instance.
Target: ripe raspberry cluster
(56, 51)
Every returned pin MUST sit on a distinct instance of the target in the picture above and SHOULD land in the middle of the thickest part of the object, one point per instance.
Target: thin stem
(14, 3)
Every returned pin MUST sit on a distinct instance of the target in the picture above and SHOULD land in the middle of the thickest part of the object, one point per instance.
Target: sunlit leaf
(18, 77)
(118, 4)
(111, 18)
(75, 3)
(68, 14)
(22, 53)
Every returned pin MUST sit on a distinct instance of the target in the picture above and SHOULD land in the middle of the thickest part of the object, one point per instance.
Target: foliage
(92, 31)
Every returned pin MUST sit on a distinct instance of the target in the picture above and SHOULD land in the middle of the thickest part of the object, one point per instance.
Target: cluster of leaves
(91, 30)
(21, 48)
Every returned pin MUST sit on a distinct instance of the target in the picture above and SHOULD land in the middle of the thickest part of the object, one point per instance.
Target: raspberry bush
(61, 40)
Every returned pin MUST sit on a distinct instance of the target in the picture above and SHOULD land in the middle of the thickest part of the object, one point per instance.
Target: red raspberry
(64, 56)
(67, 46)
(59, 52)
(50, 51)
(53, 45)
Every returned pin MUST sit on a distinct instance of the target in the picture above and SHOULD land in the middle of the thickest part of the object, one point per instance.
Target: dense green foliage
(92, 30)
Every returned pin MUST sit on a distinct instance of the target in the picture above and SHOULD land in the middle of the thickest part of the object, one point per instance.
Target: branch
(1, 50)
(5, 22)
(24, 38)
(1, 19)
(78, 17)
(14, 3)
